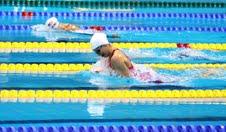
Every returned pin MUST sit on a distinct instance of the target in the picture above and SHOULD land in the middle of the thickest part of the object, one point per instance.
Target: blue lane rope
(127, 28)
(120, 14)
(122, 128)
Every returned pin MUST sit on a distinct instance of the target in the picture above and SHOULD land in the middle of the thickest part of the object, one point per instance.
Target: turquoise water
(140, 56)
(89, 113)
(109, 113)
(86, 80)
(124, 37)
(186, 79)
(138, 36)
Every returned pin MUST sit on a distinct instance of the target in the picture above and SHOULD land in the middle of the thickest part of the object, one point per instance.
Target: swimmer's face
(102, 50)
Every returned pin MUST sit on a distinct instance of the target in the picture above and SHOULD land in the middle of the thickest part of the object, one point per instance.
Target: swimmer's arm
(68, 27)
(119, 66)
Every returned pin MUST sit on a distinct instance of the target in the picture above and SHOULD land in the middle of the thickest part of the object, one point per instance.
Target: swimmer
(118, 62)
(53, 23)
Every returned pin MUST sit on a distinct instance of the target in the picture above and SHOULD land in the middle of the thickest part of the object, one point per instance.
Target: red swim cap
(181, 45)
(27, 14)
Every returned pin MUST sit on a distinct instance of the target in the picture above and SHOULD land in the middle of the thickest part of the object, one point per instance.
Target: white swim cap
(98, 39)
(52, 22)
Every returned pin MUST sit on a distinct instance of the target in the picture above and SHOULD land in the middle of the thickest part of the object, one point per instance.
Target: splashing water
(145, 75)
(175, 54)
(137, 53)
(50, 34)
(190, 53)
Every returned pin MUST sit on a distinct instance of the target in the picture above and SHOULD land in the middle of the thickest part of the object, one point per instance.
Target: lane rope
(125, 128)
(72, 68)
(157, 101)
(113, 94)
(85, 47)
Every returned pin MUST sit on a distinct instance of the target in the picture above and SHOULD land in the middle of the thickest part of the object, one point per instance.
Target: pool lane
(140, 56)
(23, 113)
(87, 80)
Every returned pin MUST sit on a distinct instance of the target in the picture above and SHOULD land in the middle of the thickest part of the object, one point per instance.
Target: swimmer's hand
(96, 69)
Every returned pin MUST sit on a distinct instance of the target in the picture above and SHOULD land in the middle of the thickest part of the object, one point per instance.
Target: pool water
(109, 113)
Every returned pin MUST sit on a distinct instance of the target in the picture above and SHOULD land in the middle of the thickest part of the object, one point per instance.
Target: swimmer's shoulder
(117, 56)
(120, 56)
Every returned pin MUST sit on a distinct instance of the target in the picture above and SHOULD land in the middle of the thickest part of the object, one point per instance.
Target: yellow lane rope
(165, 101)
(57, 68)
(49, 47)
(112, 94)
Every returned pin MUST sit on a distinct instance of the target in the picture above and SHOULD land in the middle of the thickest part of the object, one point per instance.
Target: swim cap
(52, 22)
(98, 39)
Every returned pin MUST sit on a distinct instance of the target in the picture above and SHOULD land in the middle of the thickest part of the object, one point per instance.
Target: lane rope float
(121, 128)
(128, 28)
(158, 101)
(113, 4)
(85, 47)
(113, 94)
(137, 15)
(71, 68)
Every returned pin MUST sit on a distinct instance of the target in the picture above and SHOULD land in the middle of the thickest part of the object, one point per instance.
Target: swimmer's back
(118, 54)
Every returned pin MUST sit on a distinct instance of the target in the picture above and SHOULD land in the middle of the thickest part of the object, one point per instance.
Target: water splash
(104, 81)
(169, 77)
(176, 54)
(190, 53)
(49, 34)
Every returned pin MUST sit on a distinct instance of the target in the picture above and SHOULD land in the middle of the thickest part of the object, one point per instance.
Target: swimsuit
(143, 74)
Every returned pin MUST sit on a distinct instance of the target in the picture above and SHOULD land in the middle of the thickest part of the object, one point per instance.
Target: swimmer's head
(98, 39)
(100, 44)
(52, 23)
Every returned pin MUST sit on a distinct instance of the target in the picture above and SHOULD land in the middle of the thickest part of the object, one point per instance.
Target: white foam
(95, 108)
(50, 34)
(190, 53)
